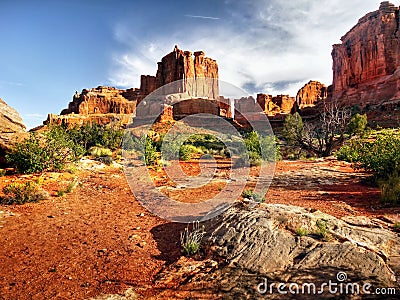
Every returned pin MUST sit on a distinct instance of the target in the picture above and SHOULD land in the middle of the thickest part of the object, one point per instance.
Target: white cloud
(202, 17)
(272, 46)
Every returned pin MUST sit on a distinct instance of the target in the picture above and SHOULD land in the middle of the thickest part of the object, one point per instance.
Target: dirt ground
(99, 240)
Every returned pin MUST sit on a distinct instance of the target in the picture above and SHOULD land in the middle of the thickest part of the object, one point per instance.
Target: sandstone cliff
(310, 93)
(366, 64)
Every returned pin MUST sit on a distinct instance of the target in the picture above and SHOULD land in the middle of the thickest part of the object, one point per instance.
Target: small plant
(301, 231)
(108, 160)
(70, 187)
(396, 225)
(2, 172)
(100, 152)
(60, 193)
(257, 197)
(20, 193)
(323, 230)
(191, 240)
(390, 189)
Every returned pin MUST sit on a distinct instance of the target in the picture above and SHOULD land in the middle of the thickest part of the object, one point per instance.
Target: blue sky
(50, 49)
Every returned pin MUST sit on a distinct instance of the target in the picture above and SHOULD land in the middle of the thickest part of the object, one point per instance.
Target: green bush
(323, 229)
(261, 148)
(186, 151)
(390, 189)
(249, 194)
(20, 193)
(52, 150)
(100, 151)
(381, 156)
(301, 231)
(349, 152)
(293, 129)
(89, 135)
(358, 125)
(151, 155)
(2, 172)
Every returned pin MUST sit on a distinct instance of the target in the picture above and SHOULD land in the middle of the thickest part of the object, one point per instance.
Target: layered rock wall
(366, 63)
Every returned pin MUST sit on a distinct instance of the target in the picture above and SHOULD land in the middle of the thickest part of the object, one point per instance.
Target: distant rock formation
(103, 100)
(366, 64)
(198, 81)
(310, 93)
(11, 128)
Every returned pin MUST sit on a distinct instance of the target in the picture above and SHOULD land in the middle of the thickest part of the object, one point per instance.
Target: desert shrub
(89, 135)
(186, 151)
(151, 156)
(2, 172)
(396, 225)
(323, 229)
(261, 148)
(301, 231)
(358, 125)
(108, 160)
(52, 150)
(293, 129)
(20, 193)
(70, 187)
(100, 151)
(323, 137)
(249, 194)
(380, 156)
(390, 189)
(349, 152)
(191, 240)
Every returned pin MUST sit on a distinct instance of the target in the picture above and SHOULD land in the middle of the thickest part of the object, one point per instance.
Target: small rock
(142, 215)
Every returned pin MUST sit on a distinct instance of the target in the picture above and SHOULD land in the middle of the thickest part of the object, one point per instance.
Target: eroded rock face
(366, 64)
(11, 128)
(311, 93)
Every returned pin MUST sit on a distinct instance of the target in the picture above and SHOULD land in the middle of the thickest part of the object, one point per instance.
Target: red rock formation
(198, 77)
(310, 93)
(366, 63)
(102, 100)
(285, 102)
(199, 74)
